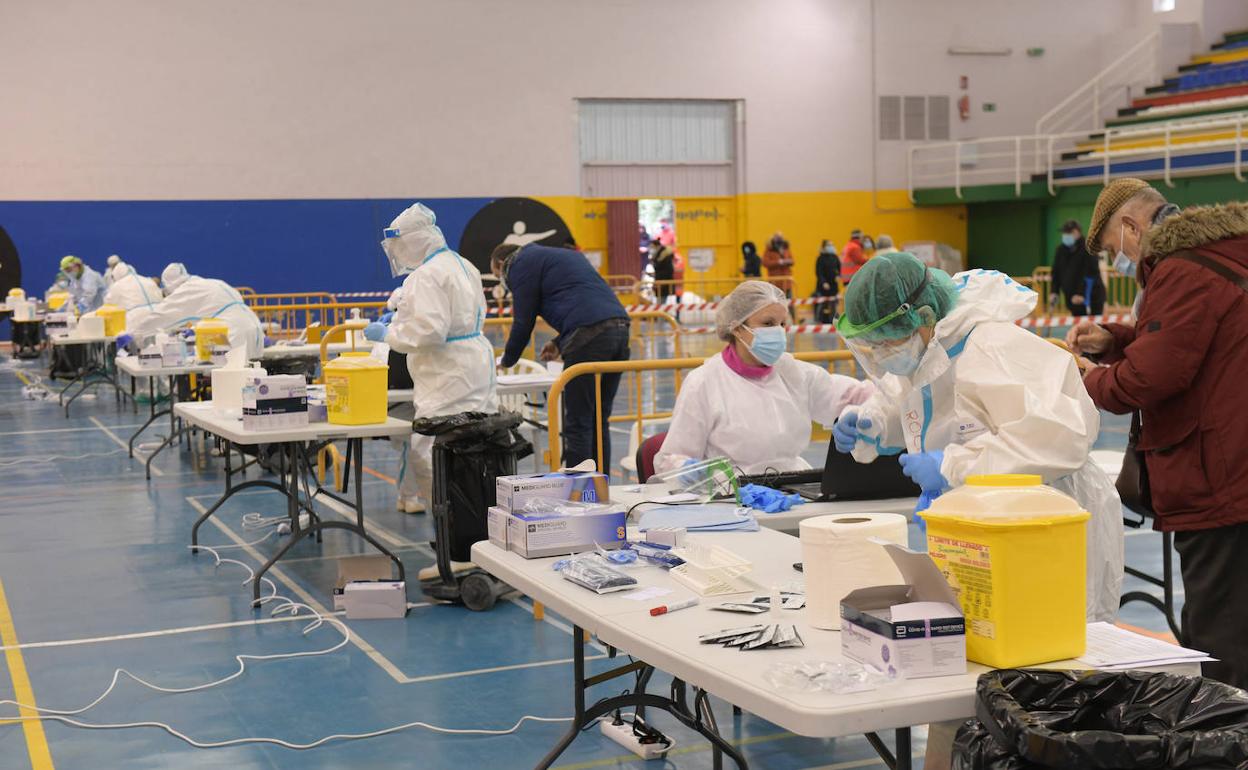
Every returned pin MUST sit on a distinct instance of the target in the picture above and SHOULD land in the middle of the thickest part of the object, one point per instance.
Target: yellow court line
(36, 741)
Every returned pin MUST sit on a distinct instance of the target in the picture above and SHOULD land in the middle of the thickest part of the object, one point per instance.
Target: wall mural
(511, 220)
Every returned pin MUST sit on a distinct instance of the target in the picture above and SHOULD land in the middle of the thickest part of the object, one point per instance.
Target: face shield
(411, 239)
(879, 355)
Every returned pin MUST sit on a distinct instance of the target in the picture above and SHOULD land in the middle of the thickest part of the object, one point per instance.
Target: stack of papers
(724, 517)
(1111, 648)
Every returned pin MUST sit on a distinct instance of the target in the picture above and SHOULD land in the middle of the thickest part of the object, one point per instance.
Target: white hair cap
(744, 301)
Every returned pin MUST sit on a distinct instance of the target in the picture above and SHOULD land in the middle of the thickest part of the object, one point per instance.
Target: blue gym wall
(269, 245)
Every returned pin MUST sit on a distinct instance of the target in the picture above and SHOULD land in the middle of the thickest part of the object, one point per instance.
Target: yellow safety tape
(36, 741)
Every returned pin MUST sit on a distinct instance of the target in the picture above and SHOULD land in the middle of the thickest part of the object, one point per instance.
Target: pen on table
(666, 608)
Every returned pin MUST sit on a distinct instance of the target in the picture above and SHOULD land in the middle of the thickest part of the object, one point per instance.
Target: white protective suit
(999, 399)
(194, 299)
(129, 290)
(437, 323)
(87, 290)
(758, 424)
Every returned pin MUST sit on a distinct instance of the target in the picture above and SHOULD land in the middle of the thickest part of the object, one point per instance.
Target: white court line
(138, 455)
(60, 430)
(495, 669)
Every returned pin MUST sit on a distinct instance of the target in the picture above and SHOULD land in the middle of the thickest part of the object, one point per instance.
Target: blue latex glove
(766, 499)
(375, 332)
(385, 318)
(124, 340)
(845, 432)
(925, 501)
(268, 341)
(924, 470)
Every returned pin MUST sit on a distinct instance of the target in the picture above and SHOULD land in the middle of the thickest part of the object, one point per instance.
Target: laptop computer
(843, 479)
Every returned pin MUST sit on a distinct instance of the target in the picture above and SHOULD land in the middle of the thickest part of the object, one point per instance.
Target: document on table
(1111, 647)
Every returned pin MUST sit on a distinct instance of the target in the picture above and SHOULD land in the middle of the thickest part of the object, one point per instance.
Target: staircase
(1190, 124)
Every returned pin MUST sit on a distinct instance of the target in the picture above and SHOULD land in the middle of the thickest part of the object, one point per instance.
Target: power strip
(623, 735)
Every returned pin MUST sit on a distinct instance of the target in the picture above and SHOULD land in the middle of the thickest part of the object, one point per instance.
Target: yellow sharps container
(1016, 553)
(114, 319)
(355, 389)
(209, 333)
(57, 300)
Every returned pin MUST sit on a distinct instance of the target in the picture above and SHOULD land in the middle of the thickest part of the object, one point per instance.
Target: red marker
(666, 608)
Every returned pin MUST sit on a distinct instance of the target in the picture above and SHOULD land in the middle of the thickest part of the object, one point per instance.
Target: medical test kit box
(584, 487)
(275, 401)
(914, 630)
(538, 534)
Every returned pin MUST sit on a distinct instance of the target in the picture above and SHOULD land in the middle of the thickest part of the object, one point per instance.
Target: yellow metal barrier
(353, 325)
(288, 321)
(636, 368)
(627, 287)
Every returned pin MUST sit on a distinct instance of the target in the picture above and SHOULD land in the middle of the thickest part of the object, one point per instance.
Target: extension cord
(623, 735)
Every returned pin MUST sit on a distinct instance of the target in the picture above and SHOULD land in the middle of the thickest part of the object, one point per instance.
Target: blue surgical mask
(769, 344)
(1068, 239)
(902, 360)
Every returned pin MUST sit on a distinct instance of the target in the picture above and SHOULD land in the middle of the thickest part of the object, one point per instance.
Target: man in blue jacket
(568, 293)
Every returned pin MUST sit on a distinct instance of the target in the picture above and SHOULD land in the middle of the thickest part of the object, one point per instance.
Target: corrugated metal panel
(648, 181)
(634, 131)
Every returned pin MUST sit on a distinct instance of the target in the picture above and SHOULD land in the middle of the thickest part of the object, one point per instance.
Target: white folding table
(298, 445)
(95, 372)
(669, 643)
(174, 374)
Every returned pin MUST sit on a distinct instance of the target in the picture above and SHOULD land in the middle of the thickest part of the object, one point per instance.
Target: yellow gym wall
(805, 219)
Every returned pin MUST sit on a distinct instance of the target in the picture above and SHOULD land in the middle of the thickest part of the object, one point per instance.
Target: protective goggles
(849, 330)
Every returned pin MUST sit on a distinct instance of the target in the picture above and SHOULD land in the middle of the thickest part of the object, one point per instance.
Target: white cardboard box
(534, 535)
(353, 568)
(496, 525)
(914, 630)
(375, 600)
(512, 492)
(275, 401)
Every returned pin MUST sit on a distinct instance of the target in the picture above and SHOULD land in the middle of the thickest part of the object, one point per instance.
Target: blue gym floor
(95, 567)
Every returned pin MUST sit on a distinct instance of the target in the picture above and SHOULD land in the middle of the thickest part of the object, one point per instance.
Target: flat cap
(1110, 200)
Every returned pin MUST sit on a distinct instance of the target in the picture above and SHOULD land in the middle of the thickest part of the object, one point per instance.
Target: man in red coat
(1183, 366)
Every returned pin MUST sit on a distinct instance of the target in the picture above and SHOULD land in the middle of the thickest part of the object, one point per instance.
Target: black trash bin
(1030, 719)
(470, 452)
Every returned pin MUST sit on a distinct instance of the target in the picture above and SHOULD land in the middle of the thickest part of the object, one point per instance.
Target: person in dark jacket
(827, 282)
(1077, 274)
(753, 265)
(1182, 366)
(568, 293)
(664, 260)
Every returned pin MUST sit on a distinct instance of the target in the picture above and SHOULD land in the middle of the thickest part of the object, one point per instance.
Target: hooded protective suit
(129, 290)
(999, 399)
(439, 314)
(87, 290)
(196, 298)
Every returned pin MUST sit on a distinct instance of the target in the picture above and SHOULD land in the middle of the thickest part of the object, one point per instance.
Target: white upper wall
(184, 99)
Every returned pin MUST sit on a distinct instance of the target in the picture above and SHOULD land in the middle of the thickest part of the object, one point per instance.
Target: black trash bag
(1031, 719)
(471, 451)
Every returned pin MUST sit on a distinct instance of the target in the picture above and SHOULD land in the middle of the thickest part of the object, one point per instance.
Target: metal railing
(1009, 159)
(633, 370)
(1112, 87)
(288, 321)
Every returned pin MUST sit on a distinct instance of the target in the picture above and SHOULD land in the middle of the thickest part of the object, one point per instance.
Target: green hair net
(883, 285)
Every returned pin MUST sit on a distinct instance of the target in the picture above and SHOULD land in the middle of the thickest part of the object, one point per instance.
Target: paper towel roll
(837, 558)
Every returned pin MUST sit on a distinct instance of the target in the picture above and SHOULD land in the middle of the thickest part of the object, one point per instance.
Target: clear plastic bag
(539, 505)
(589, 570)
(825, 676)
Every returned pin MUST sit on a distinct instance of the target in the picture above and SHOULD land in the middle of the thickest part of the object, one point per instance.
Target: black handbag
(1132, 482)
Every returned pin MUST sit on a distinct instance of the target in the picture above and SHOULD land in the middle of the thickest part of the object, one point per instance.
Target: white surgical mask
(1123, 263)
(902, 360)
